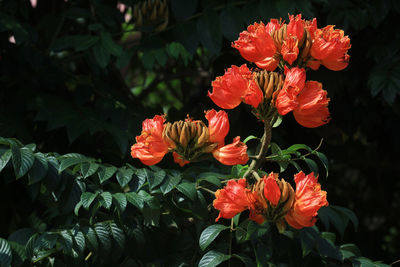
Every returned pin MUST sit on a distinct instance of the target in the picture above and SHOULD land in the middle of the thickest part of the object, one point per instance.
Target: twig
(206, 189)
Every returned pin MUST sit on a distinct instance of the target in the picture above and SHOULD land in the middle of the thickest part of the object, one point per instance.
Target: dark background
(78, 78)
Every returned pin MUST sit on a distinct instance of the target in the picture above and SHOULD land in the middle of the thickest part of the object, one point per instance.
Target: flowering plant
(275, 86)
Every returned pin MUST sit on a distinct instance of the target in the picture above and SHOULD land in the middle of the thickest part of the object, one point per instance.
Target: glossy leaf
(209, 234)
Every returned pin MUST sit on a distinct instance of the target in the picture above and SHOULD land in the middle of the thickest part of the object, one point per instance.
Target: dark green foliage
(79, 81)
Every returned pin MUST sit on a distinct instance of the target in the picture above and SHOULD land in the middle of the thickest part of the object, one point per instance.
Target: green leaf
(124, 176)
(231, 23)
(324, 161)
(101, 55)
(106, 173)
(79, 241)
(106, 199)
(308, 238)
(121, 201)
(188, 189)
(69, 160)
(18, 253)
(135, 199)
(170, 182)
(312, 165)
(22, 159)
(39, 168)
(327, 248)
(209, 234)
(329, 236)
(88, 169)
(347, 213)
(362, 262)
(213, 258)
(255, 230)
(4, 159)
(87, 199)
(277, 122)
(327, 216)
(5, 253)
(84, 42)
(248, 262)
(209, 32)
(350, 251)
(250, 137)
(91, 238)
(299, 146)
(102, 233)
(109, 44)
(155, 178)
(117, 234)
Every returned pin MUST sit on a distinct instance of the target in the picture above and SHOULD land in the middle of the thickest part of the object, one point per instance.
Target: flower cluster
(273, 200)
(292, 47)
(188, 140)
(300, 42)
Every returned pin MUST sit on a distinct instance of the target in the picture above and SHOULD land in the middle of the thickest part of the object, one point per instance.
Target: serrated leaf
(124, 176)
(4, 159)
(120, 201)
(106, 199)
(88, 169)
(212, 258)
(5, 253)
(209, 234)
(188, 189)
(39, 168)
(106, 173)
(117, 234)
(22, 159)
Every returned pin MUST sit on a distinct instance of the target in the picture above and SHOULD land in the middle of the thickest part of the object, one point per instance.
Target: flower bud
(274, 199)
(151, 14)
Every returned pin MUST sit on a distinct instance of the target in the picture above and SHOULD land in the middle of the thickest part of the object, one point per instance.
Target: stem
(206, 189)
(260, 158)
(230, 243)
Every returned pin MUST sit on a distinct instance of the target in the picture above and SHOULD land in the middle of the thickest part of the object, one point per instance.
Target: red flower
(290, 50)
(179, 159)
(150, 147)
(218, 126)
(330, 47)
(256, 45)
(233, 199)
(272, 192)
(232, 154)
(286, 100)
(312, 109)
(307, 100)
(235, 86)
(308, 200)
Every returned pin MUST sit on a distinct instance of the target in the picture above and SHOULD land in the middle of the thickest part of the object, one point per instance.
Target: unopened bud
(279, 36)
(269, 82)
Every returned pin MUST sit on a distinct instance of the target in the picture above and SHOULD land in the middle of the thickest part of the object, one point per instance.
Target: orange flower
(307, 100)
(218, 126)
(179, 159)
(330, 47)
(256, 45)
(232, 154)
(235, 86)
(309, 199)
(233, 199)
(312, 109)
(272, 191)
(286, 100)
(150, 147)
